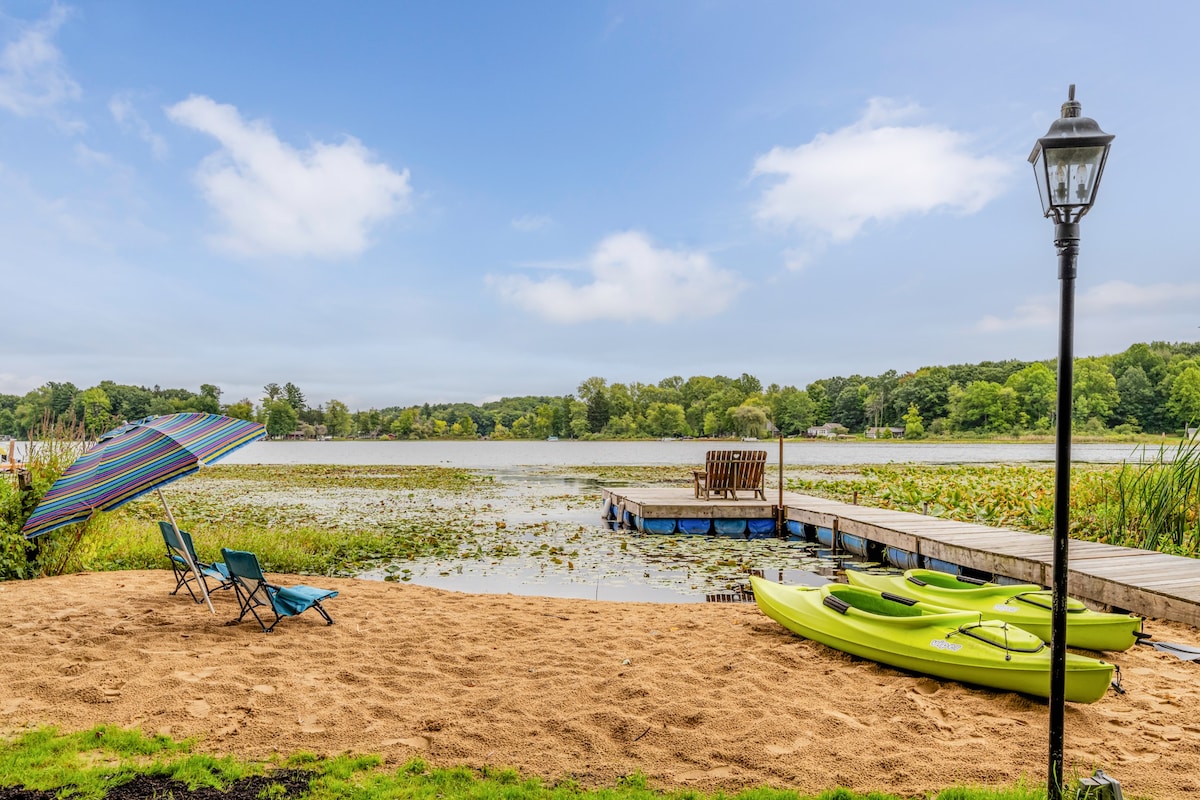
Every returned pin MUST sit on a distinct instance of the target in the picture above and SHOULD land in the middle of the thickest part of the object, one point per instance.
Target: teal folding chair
(181, 546)
(255, 593)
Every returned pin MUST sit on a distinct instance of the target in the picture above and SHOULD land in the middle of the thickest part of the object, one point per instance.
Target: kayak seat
(872, 602)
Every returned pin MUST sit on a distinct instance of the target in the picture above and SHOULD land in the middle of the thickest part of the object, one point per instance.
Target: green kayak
(1025, 605)
(917, 636)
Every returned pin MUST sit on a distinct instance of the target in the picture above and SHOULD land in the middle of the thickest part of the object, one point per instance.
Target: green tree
(96, 410)
(294, 397)
(337, 419)
(793, 410)
(914, 427)
(848, 407)
(594, 393)
(464, 428)
(666, 419)
(1139, 398)
(242, 409)
(749, 420)
(1036, 388)
(1095, 391)
(983, 405)
(1184, 401)
(928, 389)
(281, 418)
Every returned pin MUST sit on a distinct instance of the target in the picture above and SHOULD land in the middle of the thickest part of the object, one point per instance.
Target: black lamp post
(1067, 162)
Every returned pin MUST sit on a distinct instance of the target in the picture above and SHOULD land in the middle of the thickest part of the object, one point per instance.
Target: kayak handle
(895, 598)
(836, 603)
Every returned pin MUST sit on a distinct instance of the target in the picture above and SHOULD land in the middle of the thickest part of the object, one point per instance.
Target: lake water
(504, 454)
(624, 565)
(645, 567)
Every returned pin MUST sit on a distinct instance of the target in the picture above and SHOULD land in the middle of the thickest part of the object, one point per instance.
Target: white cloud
(531, 223)
(1117, 299)
(631, 280)
(33, 78)
(274, 199)
(875, 169)
(121, 107)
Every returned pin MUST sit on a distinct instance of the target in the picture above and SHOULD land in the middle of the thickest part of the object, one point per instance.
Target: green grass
(85, 764)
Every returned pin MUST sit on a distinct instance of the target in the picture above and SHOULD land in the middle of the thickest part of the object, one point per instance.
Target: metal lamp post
(1068, 162)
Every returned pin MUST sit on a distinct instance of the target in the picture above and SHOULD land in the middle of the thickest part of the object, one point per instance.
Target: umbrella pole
(186, 554)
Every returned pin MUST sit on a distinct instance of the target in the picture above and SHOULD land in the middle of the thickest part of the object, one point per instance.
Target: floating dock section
(1141, 581)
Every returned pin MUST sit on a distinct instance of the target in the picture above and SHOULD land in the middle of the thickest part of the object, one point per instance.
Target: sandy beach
(706, 696)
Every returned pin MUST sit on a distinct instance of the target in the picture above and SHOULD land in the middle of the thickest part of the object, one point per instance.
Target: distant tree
(665, 419)
(848, 408)
(1036, 388)
(1095, 391)
(927, 389)
(281, 418)
(750, 420)
(95, 410)
(293, 396)
(914, 427)
(793, 410)
(272, 392)
(983, 405)
(1139, 398)
(1184, 402)
(337, 419)
(464, 428)
(242, 409)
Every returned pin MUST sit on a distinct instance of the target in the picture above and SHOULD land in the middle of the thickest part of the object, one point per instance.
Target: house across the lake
(830, 430)
(885, 433)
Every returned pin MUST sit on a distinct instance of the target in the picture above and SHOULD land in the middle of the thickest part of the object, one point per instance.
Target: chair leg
(321, 610)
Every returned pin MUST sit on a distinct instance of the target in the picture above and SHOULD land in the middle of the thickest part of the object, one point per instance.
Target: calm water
(649, 568)
(643, 567)
(501, 454)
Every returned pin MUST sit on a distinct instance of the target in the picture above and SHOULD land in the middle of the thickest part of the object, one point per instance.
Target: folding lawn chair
(178, 549)
(254, 592)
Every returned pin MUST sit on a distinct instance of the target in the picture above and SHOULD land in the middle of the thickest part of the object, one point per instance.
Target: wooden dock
(1144, 582)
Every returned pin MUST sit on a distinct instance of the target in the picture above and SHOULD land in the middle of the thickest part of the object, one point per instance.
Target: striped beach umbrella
(136, 458)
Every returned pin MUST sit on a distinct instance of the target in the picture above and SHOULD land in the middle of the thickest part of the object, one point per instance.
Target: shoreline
(703, 696)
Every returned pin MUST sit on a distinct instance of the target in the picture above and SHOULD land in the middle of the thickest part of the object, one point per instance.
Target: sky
(392, 203)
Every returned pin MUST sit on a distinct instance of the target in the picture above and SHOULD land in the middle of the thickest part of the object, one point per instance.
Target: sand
(704, 696)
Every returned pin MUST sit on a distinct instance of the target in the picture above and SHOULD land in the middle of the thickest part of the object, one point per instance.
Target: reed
(1154, 502)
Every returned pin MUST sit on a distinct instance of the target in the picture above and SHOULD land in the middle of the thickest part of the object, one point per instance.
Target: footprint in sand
(263, 688)
(702, 774)
(309, 724)
(198, 708)
(197, 676)
(786, 750)
(11, 706)
(415, 742)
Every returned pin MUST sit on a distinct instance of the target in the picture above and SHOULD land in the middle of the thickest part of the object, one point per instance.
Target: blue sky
(393, 203)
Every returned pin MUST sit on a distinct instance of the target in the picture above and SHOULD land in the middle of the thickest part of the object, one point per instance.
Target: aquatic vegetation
(1151, 503)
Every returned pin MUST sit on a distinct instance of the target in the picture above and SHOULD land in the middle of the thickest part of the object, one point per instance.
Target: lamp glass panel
(1071, 173)
(1038, 159)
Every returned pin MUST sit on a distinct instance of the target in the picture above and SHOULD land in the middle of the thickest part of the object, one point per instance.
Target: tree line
(1151, 388)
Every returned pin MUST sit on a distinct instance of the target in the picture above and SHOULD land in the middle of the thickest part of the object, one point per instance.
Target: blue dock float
(694, 526)
(730, 527)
